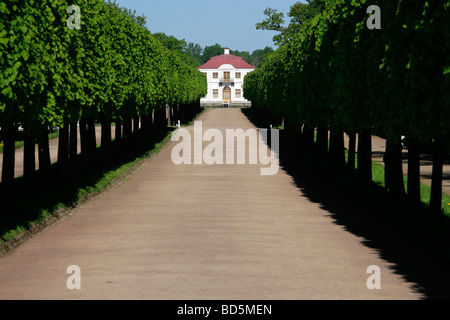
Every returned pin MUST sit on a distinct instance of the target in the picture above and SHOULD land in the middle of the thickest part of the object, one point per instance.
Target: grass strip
(378, 178)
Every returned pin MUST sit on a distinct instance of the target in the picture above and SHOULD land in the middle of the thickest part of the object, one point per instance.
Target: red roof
(235, 61)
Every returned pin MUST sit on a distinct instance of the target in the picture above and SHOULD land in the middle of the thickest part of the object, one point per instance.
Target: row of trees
(58, 69)
(340, 76)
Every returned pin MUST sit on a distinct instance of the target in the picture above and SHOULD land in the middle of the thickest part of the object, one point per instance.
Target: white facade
(225, 82)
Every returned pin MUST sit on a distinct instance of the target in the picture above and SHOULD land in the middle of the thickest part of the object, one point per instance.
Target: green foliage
(111, 67)
(187, 53)
(338, 73)
(301, 15)
(212, 51)
(256, 58)
(274, 22)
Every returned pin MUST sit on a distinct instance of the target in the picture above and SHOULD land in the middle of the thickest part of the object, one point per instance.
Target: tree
(178, 47)
(172, 43)
(300, 13)
(260, 55)
(274, 22)
(194, 49)
(243, 54)
(212, 51)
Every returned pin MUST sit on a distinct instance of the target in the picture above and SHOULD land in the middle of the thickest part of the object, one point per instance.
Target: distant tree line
(195, 55)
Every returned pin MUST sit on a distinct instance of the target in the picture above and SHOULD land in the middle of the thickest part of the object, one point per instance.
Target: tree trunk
(146, 124)
(92, 141)
(136, 122)
(106, 141)
(9, 156)
(160, 118)
(351, 151)
(177, 114)
(84, 140)
(414, 171)
(174, 116)
(169, 110)
(29, 164)
(45, 163)
(293, 130)
(63, 154)
(398, 182)
(308, 135)
(127, 128)
(337, 151)
(436, 183)
(365, 157)
(322, 140)
(394, 167)
(73, 150)
(387, 159)
(182, 113)
(118, 130)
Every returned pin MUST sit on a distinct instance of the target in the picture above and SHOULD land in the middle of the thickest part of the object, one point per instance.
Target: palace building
(225, 74)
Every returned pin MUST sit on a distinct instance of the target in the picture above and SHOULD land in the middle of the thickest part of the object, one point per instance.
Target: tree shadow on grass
(415, 244)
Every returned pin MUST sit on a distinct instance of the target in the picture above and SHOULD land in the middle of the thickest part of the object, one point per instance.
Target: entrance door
(226, 96)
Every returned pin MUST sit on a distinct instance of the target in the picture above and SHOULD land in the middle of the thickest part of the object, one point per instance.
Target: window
(206, 74)
(215, 75)
(238, 75)
(216, 93)
(238, 93)
(226, 76)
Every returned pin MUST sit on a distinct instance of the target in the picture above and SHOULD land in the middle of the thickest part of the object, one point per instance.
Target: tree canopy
(300, 14)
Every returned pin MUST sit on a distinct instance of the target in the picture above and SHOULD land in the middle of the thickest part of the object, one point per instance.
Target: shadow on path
(367, 214)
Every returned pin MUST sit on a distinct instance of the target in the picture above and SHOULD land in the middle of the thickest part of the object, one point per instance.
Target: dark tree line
(337, 76)
(109, 70)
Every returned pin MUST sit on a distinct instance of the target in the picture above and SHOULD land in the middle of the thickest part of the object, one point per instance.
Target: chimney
(227, 51)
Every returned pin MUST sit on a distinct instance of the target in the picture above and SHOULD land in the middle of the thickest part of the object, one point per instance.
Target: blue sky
(207, 22)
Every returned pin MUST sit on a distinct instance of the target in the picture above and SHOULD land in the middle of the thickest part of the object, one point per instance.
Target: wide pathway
(216, 232)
